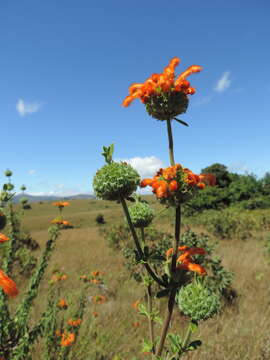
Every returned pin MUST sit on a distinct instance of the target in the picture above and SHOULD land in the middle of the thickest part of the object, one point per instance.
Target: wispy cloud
(146, 166)
(25, 108)
(204, 100)
(31, 172)
(224, 82)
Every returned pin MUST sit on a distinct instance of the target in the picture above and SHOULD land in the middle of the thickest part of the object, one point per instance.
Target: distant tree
(265, 184)
(221, 173)
(244, 188)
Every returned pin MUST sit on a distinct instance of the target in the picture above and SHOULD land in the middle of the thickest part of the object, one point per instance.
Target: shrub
(100, 219)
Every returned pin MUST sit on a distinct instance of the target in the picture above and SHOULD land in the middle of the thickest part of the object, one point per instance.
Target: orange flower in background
(58, 333)
(95, 314)
(185, 261)
(136, 324)
(96, 273)
(135, 305)
(162, 83)
(67, 339)
(3, 238)
(61, 204)
(65, 223)
(99, 299)
(8, 285)
(62, 304)
(74, 323)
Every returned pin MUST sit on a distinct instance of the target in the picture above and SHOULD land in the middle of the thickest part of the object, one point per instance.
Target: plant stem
(170, 138)
(151, 322)
(187, 336)
(166, 322)
(142, 236)
(175, 247)
(137, 243)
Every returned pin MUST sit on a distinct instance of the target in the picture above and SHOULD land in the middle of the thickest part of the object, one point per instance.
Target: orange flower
(96, 273)
(208, 179)
(8, 285)
(58, 333)
(99, 299)
(63, 277)
(74, 323)
(136, 324)
(67, 339)
(61, 204)
(3, 238)
(62, 304)
(95, 314)
(66, 223)
(185, 259)
(95, 281)
(136, 304)
(164, 82)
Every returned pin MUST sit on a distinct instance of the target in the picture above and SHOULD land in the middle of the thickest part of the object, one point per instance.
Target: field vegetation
(240, 331)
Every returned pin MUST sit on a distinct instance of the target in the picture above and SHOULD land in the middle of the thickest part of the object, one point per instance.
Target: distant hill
(36, 198)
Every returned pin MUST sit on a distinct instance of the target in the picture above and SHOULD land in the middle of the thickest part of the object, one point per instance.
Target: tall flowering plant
(165, 96)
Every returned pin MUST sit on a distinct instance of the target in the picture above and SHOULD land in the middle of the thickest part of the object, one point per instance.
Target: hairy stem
(170, 138)
(151, 321)
(137, 243)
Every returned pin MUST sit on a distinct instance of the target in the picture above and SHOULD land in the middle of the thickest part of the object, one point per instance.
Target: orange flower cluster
(67, 338)
(176, 180)
(3, 238)
(60, 222)
(74, 323)
(99, 299)
(94, 278)
(61, 204)
(58, 277)
(185, 259)
(62, 304)
(8, 285)
(164, 82)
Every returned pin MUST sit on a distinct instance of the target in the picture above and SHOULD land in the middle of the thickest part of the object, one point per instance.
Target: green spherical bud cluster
(168, 105)
(115, 181)
(10, 187)
(23, 187)
(198, 302)
(8, 173)
(4, 196)
(141, 214)
(23, 200)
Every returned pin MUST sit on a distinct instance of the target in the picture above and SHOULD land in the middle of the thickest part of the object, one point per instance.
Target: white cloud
(239, 167)
(146, 166)
(31, 172)
(25, 108)
(203, 100)
(224, 82)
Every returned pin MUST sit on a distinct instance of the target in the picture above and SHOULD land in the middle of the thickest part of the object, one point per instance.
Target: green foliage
(3, 220)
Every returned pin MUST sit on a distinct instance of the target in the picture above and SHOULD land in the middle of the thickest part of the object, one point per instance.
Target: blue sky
(66, 66)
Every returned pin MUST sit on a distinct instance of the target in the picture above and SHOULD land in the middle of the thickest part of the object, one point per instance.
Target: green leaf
(181, 122)
(193, 326)
(194, 345)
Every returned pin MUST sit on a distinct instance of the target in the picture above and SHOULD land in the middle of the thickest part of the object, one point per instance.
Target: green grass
(238, 333)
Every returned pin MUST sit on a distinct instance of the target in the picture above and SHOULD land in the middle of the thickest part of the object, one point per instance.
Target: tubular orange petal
(192, 267)
(174, 62)
(169, 252)
(155, 78)
(127, 100)
(134, 87)
(146, 182)
(201, 185)
(190, 70)
(3, 238)
(190, 91)
(8, 285)
(173, 185)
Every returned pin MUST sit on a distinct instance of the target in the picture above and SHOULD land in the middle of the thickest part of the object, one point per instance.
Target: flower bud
(115, 181)
(198, 302)
(141, 214)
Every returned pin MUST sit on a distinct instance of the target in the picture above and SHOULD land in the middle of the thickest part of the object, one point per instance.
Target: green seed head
(198, 302)
(141, 214)
(115, 181)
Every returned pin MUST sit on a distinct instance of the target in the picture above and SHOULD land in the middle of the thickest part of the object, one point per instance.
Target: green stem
(151, 322)
(187, 337)
(170, 138)
(143, 236)
(137, 243)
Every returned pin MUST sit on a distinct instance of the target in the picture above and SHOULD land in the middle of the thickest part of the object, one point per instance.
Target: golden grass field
(240, 332)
